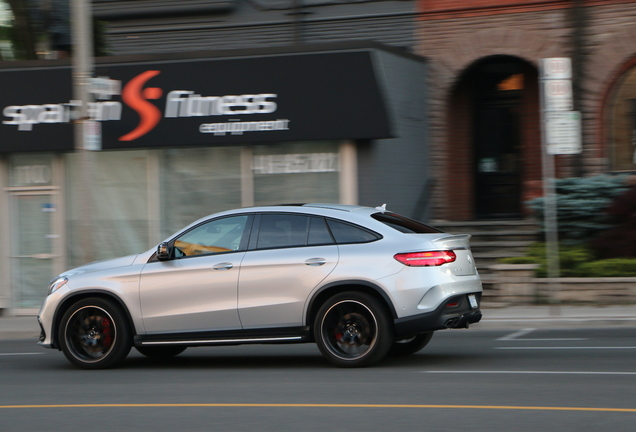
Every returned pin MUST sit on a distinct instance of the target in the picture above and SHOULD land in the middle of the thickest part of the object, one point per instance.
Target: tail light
(426, 259)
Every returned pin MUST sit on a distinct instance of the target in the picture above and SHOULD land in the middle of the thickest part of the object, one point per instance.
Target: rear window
(404, 224)
(345, 233)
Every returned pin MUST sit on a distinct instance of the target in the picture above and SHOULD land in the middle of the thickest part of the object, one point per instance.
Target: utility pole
(578, 16)
(297, 13)
(83, 67)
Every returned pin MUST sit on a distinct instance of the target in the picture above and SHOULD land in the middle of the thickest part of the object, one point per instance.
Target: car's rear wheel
(352, 329)
(95, 334)
(406, 347)
(161, 351)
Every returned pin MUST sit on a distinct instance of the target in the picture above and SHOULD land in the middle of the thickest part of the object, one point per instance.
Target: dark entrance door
(496, 140)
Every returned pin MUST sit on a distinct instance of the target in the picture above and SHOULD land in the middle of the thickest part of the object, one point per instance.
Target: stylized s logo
(136, 97)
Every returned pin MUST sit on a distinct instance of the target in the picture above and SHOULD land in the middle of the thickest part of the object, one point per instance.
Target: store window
(31, 170)
(623, 124)
(196, 183)
(296, 173)
(117, 207)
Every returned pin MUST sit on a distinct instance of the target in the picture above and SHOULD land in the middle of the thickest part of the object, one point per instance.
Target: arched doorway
(620, 114)
(494, 136)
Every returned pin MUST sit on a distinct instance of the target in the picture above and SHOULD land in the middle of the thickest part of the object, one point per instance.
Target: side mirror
(164, 251)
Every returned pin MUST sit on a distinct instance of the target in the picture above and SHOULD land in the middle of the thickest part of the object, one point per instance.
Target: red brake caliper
(107, 332)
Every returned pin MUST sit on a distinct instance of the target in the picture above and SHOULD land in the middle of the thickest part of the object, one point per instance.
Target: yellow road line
(262, 405)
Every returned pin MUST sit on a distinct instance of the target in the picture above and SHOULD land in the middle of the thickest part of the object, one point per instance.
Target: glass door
(32, 246)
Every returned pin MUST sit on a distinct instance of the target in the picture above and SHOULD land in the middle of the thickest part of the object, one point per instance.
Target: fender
(332, 288)
(63, 306)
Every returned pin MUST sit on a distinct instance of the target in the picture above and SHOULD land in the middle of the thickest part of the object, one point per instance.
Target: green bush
(581, 205)
(570, 258)
(576, 261)
(519, 260)
(614, 267)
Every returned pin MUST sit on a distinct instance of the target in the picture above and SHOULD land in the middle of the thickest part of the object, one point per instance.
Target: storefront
(186, 136)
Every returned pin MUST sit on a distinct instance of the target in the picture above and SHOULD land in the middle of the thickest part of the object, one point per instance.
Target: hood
(102, 265)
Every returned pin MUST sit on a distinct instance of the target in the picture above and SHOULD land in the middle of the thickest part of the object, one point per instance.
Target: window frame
(243, 246)
(257, 225)
(375, 234)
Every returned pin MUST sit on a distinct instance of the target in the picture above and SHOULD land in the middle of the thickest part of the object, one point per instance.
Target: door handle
(315, 261)
(223, 266)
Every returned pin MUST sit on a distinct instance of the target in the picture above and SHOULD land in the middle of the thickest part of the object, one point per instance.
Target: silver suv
(360, 282)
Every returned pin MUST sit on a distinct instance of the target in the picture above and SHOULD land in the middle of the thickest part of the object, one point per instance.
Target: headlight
(56, 284)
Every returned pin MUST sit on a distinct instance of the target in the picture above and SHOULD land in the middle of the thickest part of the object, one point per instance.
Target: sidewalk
(511, 317)
(20, 327)
(557, 316)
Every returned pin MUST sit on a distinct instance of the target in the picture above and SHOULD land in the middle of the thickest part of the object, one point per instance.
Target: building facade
(206, 106)
(484, 96)
(458, 136)
(183, 136)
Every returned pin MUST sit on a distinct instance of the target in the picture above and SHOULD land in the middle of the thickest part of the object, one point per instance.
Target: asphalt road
(478, 380)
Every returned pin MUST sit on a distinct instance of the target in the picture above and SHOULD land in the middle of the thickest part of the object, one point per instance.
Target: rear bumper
(444, 317)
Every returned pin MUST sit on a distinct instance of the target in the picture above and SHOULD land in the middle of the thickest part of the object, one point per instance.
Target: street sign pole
(560, 134)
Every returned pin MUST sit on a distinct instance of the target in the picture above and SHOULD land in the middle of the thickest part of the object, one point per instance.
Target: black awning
(163, 101)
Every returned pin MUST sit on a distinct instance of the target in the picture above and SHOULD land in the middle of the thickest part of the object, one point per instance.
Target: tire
(352, 329)
(95, 334)
(161, 351)
(410, 346)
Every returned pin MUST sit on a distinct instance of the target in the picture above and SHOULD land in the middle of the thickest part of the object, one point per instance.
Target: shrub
(614, 267)
(570, 258)
(519, 260)
(581, 205)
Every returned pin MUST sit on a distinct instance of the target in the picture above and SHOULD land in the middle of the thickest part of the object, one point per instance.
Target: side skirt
(231, 337)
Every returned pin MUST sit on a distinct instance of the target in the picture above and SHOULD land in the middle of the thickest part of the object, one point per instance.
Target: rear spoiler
(453, 242)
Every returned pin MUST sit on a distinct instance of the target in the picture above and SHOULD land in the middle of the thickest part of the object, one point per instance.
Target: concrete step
(486, 225)
(488, 236)
(493, 247)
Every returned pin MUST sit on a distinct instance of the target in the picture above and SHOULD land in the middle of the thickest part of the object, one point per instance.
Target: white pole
(550, 201)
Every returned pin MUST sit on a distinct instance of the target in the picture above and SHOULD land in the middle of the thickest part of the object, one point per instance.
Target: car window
(404, 224)
(216, 236)
(318, 232)
(282, 230)
(347, 233)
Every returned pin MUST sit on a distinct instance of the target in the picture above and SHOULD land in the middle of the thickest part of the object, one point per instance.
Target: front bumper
(455, 312)
(42, 341)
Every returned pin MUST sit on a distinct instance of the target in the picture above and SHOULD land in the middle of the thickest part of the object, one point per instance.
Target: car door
(289, 257)
(196, 290)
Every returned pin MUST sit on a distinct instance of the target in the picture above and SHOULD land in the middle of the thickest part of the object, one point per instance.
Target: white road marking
(568, 348)
(517, 336)
(19, 354)
(530, 372)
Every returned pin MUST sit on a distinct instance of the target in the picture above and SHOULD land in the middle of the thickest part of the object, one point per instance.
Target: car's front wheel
(95, 334)
(353, 329)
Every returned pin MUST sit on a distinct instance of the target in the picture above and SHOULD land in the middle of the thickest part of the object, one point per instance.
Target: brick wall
(453, 39)
(460, 173)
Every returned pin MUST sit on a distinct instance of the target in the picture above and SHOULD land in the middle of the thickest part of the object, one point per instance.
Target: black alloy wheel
(352, 329)
(95, 334)
(406, 347)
